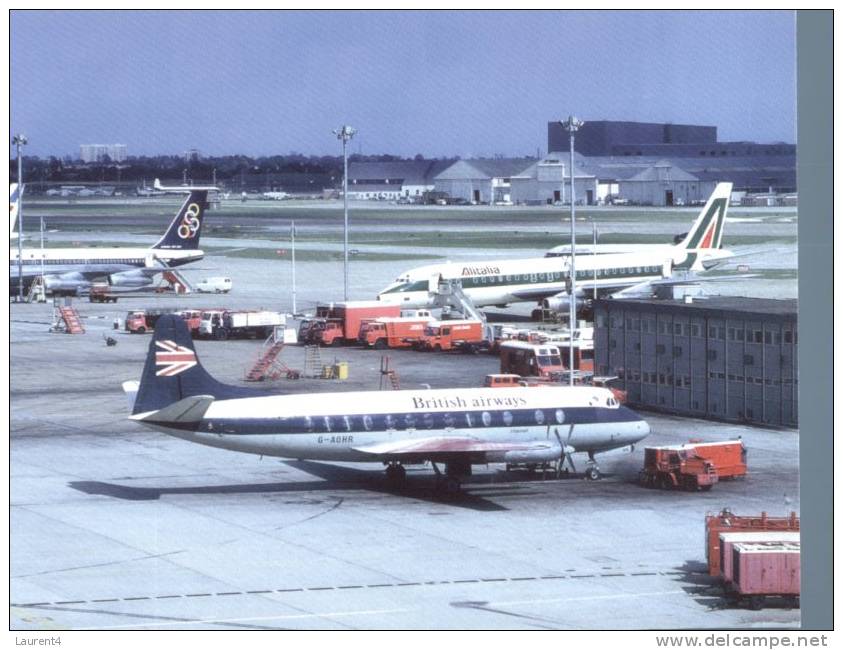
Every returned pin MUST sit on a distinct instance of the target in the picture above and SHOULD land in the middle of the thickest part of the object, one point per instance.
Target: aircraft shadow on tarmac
(333, 478)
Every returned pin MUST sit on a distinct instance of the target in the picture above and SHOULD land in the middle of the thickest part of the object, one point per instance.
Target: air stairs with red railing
(268, 365)
(69, 321)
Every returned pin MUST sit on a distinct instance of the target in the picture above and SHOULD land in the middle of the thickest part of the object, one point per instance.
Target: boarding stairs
(312, 361)
(37, 290)
(388, 375)
(67, 320)
(449, 293)
(268, 365)
(177, 282)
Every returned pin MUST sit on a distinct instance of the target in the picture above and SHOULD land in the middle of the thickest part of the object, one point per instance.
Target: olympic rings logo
(190, 223)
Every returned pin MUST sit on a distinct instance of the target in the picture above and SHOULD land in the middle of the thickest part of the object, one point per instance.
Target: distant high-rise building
(90, 153)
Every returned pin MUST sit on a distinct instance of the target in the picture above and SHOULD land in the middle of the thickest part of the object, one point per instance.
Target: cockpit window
(405, 285)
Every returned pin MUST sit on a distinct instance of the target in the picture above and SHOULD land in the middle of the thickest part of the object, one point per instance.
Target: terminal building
(725, 358)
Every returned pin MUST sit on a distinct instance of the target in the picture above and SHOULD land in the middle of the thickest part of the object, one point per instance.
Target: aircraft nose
(640, 428)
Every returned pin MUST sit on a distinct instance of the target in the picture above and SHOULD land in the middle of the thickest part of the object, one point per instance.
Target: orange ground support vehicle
(531, 359)
(503, 380)
(466, 335)
(583, 354)
(727, 522)
(192, 318)
(339, 323)
(675, 467)
(392, 332)
(729, 458)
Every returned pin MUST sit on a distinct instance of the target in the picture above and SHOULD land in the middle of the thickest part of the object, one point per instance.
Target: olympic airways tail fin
(186, 227)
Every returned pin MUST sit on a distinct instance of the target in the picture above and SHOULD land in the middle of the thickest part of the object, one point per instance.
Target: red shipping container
(767, 569)
(728, 540)
(728, 522)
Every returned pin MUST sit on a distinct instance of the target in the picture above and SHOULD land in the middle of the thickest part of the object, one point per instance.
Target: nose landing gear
(592, 472)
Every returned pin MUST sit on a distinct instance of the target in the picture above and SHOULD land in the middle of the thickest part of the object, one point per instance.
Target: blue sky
(464, 83)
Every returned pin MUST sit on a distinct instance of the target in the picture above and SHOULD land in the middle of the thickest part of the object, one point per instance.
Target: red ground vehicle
(466, 335)
(583, 354)
(339, 323)
(729, 458)
(503, 381)
(101, 293)
(392, 332)
(192, 318)
(677, 466)
(727, 521)
(139, 321)
(531, 360)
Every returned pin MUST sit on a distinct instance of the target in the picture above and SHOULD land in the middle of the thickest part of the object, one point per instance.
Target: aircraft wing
(444, 446)
(646, 289)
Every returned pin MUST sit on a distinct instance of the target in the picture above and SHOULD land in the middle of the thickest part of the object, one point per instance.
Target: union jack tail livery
(173, 371)
(173, 359)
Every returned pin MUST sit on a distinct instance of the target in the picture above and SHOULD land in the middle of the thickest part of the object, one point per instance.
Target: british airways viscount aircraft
(458, 427)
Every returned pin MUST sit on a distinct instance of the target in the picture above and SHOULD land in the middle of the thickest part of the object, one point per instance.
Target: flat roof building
(726, 358)
(90, 153)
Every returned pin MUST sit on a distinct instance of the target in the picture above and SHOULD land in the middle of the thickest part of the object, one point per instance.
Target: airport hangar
(643, 163)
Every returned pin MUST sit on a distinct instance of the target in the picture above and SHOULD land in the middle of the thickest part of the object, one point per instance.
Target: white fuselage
(355, 426)
(92, 261)
(532, 279)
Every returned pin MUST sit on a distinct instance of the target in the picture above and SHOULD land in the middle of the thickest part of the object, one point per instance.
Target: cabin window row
(49, 262)
(404, 421)
(557, 276)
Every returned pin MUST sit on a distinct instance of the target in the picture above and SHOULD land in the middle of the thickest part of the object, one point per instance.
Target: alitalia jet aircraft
(455, 426)
(73, 270)
(547, 278)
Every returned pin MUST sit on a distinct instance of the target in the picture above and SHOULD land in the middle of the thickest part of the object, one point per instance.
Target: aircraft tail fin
(707, 231)
(186, 227)
(173, 372)
(14, 207)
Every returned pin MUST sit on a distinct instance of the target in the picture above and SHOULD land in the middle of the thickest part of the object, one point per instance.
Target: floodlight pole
(293, 246)
(571, 125)
(345, 133)
(19, 140)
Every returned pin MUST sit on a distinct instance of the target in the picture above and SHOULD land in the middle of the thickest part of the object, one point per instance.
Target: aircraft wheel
(395, 475)
(447, 487)
(592, 474)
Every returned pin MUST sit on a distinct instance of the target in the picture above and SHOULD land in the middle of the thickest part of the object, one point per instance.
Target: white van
(214, 285)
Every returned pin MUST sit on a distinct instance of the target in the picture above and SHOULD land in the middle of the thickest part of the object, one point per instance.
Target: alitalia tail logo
(173, 358)
(708, 233)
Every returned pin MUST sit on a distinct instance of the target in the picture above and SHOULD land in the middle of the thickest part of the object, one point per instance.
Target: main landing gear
(592, 472)
(447, 485)
(395, 474)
